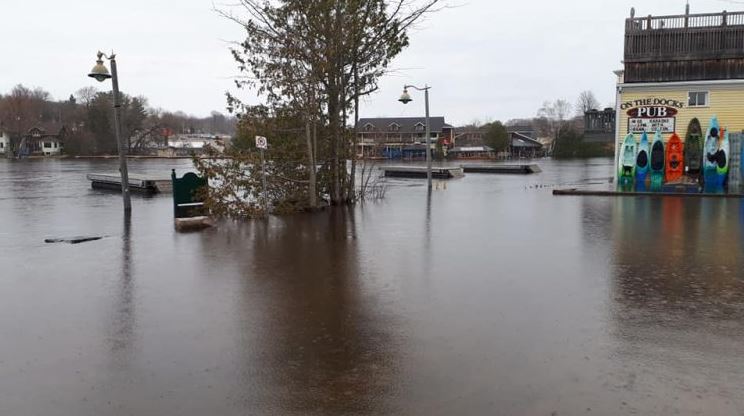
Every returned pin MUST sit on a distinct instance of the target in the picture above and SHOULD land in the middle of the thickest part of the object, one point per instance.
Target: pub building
(681, 67)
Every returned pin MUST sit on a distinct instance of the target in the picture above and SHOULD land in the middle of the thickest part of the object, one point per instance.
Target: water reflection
(320, 336)
(123, 319)
(675, 254)
(677, 298)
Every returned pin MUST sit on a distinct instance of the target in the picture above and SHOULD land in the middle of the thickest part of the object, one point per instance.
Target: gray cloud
(484, 59)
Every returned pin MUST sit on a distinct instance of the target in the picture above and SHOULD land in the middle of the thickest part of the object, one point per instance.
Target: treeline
(558, 123)
(87, 119)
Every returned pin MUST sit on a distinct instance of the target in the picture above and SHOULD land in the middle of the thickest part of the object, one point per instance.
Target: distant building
(522, 145)
(472, 152)
(400, 137)
(39, 142)
(188, 144)
(470, 143)
(523, 130)
(4, 142)
(677, 68)
(469, 136)
(599, 126)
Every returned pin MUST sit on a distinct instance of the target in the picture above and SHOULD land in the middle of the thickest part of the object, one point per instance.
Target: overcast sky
(485, 59)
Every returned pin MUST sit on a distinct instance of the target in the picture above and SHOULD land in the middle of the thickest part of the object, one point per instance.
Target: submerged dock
(503, 169)
(147, 184)
(420, 172)
(590, 192)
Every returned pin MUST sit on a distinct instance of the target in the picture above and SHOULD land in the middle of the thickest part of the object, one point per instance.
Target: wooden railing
(685, 37)
(683, 21)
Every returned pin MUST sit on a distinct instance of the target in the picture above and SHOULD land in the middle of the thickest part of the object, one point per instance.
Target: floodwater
(490, 296)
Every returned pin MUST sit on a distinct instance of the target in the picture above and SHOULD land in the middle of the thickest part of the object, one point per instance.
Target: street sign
(262, 142)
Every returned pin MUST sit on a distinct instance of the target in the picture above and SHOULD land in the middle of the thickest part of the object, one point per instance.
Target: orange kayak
(674, 159)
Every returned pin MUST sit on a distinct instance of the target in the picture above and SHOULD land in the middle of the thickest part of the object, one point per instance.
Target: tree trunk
(311, 190)
(333, 124)
(352, 178)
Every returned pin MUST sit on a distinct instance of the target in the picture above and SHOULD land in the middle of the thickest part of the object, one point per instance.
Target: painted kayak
(642, 160)
(710, 176)
(693, 149)
(626, 163)
(657, 161)
(722, 158)
(674, 158)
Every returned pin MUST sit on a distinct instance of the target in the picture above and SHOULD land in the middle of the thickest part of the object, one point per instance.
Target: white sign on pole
(262, 142)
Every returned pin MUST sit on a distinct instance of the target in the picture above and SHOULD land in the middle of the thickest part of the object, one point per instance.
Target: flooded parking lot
(489, 296)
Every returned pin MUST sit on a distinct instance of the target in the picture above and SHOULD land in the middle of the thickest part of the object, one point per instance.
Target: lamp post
(405, 98)
(100, 73)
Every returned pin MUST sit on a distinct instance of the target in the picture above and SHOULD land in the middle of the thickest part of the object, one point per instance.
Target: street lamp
(100, 73)
(405, 98)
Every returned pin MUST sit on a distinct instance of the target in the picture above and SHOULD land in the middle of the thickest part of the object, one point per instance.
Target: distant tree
(100, 120)
(552, 115)
(85, 95)
(586, 101)
(496, 136)
(24, 108)
(570, 144)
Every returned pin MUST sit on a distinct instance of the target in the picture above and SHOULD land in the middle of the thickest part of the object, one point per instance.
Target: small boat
(674, 158)
(641, 170)
(657, 162)
(693, 149)
(710, 164)
(626, 164)
(722, 158)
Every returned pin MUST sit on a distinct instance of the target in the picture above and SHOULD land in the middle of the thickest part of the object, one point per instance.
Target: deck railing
(684, 37)
(683, 21)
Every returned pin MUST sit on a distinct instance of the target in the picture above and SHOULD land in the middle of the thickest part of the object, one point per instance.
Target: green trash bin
(187, 200)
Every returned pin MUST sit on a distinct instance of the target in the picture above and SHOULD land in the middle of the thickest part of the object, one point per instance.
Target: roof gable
(407, 124)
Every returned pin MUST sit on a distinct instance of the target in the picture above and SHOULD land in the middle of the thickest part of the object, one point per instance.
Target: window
(368, 127)
(394, 127)
(697, 99)
(2, 144)
(47, 145)
(419, 126)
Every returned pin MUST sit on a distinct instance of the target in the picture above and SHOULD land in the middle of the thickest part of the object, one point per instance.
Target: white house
(4, 143)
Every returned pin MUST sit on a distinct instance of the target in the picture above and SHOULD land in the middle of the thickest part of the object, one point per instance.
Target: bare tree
(586, 101)
(85, 95)
(554, 115)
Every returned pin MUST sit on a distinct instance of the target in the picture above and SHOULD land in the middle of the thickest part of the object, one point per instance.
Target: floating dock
(420, 172)
(137, 183)
(589, 192)
(502, 169)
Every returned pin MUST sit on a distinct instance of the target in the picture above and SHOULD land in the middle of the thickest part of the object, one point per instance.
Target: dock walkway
(590, 192)
(420, 172)
(502, 169)
(137, 183)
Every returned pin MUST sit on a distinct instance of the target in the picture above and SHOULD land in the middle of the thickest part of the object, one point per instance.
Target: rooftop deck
(687, 47)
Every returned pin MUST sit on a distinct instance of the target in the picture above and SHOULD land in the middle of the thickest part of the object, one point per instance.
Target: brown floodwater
(488, 296)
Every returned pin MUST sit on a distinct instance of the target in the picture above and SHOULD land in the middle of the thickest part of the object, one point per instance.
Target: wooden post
(687, 15)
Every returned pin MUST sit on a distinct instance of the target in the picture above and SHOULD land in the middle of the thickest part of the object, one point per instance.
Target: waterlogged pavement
(490, 296)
